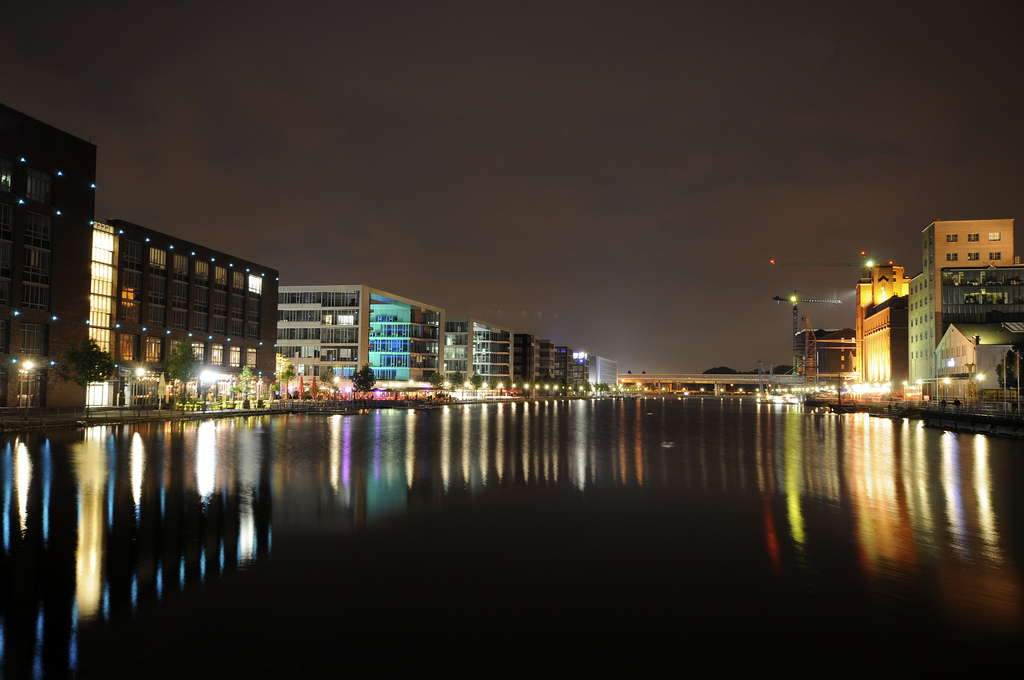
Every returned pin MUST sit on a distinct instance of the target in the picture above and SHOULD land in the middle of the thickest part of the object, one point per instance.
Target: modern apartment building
(525, 357)
(948, 244)
(343, 327)
(602, 370)
(474, 347)
(579, 368)
(545, 358)
(47, 195)
(560, 363)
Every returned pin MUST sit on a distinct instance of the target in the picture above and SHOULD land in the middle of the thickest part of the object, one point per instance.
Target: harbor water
(553, 535)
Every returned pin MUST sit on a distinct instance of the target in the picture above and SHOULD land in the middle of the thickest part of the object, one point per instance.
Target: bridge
(716, 383)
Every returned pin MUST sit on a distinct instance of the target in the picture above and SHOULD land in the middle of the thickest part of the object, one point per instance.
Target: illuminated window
(995, 236)
(127, 346)
(180, 267)
(6, 174)
(255, 285)
(154, 350)
(199, 350)
(217, 355)
(250, 357)
(101, 336)
(157, 262)
(235, 356)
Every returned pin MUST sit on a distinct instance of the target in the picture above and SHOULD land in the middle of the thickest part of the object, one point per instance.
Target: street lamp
(139, 372)
(26, 372)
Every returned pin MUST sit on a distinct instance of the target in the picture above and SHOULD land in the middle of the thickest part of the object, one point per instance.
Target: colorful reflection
(134, 515)
(85, 512)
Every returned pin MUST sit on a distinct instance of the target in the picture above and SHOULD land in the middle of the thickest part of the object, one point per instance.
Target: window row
(974, 257)
(151, 350)
(325, 299)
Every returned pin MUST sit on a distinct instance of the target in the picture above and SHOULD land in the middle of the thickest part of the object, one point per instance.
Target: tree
(182, 364)
(87, 363)
(327, 379)
(492, 384)
(456, 379)
(245, 377)
(286, 375)
(436, 380)
(477, 381)
(363, 379)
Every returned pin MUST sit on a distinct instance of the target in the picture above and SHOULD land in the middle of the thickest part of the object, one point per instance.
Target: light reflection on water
(918, 514)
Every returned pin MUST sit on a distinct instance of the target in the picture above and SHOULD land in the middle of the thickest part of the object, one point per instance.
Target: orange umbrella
(300, 387)
(313, 388)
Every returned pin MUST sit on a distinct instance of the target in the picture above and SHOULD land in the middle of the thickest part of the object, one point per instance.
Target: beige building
(882, 325)
(959, 243)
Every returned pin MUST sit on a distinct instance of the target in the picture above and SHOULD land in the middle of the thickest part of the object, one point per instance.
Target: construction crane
(863, 264)
(796, 300)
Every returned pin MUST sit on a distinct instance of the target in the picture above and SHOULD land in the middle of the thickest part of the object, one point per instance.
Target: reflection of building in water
(912, 512)
(114, 524)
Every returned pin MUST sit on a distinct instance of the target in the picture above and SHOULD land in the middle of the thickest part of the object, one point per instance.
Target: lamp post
(139, 372)
(26, 372)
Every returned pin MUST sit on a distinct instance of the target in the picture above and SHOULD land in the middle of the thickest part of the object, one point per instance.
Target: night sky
(613, 177)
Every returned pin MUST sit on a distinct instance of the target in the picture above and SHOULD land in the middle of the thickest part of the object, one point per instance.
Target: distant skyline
(613, 177)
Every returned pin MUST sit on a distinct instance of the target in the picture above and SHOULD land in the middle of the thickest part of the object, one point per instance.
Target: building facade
(882, 305)
(948, 244)
(545, 358)
(579, 368)
(474, 347)
(342, 327)
(161, 290)
(47, 199)
(971, 358)
(602, 370)
(525, 356)
(561, 359)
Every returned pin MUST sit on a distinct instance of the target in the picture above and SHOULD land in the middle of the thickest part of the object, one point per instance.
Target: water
(486, 537)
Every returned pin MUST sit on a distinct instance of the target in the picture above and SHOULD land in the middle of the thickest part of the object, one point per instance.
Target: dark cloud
(627, 171)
